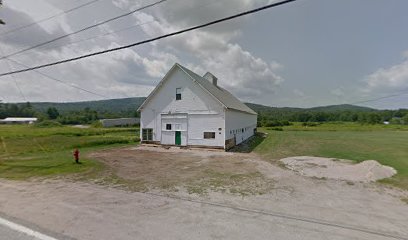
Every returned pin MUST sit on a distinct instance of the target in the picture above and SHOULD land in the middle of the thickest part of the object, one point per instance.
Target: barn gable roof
(228, 100)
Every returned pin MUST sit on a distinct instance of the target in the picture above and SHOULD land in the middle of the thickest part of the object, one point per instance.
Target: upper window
(209, 135)
(168, 126)
(178, 93)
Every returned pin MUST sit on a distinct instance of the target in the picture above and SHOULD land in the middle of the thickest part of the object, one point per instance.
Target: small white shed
(115, 122)
(18, 120)
(190, 110)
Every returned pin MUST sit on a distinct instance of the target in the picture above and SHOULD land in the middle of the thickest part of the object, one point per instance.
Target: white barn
(189, 110)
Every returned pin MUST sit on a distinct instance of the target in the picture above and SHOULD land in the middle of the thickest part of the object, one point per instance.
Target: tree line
(84, 116)
(267, 116)
(281, 118)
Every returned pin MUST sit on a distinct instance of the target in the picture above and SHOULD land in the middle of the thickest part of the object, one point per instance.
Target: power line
(380, 98)
(15, 80)
(82, 40)
(47, 18)
(60, 81)
(83, 29)
(152, 39)
(107, 33)
(120, 30)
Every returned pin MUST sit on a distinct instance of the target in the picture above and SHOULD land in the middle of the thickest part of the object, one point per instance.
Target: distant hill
(111, 105)
(342, 107)
(327, 109)
(131, 104)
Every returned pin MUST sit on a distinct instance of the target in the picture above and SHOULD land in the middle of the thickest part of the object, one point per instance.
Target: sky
(303, 54)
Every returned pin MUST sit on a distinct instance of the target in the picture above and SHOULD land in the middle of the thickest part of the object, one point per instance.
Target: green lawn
(30, 151)
(386, 144)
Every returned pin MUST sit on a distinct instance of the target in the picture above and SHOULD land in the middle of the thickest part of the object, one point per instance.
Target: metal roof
(18, 119)
(222, 95)
(226, 99)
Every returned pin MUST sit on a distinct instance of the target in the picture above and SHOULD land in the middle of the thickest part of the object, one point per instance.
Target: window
(168, 126)
(178, 93)
(209, 135)
(147, 134)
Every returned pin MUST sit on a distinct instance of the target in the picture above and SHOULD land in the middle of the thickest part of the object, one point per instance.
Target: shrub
(97, 124)
(286, 123)
(309, 124)
(276, 129)
(48, 123)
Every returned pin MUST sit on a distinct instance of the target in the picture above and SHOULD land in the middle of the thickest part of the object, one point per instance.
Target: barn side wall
(239, 126)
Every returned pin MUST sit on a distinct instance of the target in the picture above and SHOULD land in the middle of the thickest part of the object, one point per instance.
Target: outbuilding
(18, 120)
(187, 109)
(116, 122)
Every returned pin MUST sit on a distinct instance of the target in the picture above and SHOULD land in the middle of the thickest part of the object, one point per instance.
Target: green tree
(52, 113)
(373, 118)
(405, 119)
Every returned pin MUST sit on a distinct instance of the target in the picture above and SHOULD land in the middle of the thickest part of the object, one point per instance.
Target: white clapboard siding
(199, 110)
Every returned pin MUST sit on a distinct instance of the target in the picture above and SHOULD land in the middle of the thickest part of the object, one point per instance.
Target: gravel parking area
(290, 206)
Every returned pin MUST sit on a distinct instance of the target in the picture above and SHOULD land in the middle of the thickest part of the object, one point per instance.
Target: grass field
(30, 151)
(386, 144)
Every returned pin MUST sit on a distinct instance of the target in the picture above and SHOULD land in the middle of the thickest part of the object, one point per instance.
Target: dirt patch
(340, 169)
(198, 171)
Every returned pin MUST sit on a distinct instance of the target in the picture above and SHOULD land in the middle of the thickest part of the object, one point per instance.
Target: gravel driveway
(296, 207)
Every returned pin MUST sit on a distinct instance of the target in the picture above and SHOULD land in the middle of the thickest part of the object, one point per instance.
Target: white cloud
(40, 10)
(338, 92)
(405, 54)
(298, 93)
(213, 49)
(391, 78)
(135, 71)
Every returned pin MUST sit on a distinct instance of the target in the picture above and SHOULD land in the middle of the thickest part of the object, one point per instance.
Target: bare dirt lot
(197, 171)
(366, 171)
(199, 194)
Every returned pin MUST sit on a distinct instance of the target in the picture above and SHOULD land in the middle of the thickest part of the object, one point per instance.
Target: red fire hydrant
(76, 155)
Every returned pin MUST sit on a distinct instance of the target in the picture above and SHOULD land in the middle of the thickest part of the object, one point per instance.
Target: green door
(178, 138)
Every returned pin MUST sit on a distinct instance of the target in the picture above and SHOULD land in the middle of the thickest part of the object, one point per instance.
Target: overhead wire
(107, 33)
(47, 18)
(60, 81)
(82, 29)
(380, 98)
(152, 39)
(86, 39)
(15, 80)
(122, 29)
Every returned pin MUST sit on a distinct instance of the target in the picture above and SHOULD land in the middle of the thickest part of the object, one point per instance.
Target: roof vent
(210, 77)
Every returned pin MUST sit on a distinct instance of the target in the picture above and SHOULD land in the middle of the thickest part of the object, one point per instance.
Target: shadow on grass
(250, 144)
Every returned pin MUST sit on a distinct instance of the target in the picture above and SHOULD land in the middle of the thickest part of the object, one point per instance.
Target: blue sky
(307, 53)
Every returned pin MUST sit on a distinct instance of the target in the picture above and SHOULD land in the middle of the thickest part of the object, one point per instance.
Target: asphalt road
(7, 233)
(13, 230)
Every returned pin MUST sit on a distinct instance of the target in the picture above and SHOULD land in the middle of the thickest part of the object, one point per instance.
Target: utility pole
(1, 20)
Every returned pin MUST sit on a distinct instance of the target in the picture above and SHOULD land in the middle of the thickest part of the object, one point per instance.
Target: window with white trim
(178, 93)
(209, 135)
